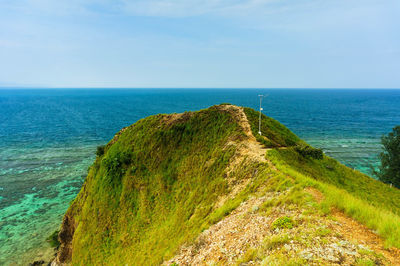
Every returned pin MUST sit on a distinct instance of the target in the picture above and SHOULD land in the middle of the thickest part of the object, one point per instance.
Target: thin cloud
(159, 8)
(267, 42)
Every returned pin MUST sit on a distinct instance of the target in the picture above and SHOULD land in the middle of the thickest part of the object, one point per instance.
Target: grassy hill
(162, 182)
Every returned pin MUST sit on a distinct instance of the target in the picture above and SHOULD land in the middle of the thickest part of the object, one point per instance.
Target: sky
(200, 43)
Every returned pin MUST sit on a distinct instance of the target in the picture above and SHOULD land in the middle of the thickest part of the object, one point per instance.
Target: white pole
(259, 119)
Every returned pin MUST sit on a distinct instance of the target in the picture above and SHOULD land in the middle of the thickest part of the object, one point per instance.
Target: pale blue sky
(193, 43)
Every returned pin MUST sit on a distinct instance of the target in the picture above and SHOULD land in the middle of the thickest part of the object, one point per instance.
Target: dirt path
(250, 147)
(247, 235)
(228, 239)
(319, 241)
(357, 232)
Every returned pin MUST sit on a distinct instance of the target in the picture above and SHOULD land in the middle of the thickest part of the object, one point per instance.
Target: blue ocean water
(49, 137)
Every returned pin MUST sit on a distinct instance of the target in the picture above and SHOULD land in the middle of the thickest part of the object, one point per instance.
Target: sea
(48, 139)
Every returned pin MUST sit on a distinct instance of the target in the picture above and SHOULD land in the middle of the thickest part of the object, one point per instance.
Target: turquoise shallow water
(48, 139)
(45, 180)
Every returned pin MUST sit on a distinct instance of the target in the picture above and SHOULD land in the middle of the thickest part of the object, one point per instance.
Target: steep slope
(186, 185)
(157, 185)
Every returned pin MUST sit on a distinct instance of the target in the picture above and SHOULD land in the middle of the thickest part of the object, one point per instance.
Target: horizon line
(187, 88)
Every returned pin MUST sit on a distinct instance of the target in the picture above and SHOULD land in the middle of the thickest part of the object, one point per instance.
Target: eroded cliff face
(68, 227)
(65, 237)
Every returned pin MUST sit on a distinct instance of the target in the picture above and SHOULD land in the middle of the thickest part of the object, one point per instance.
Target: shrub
(308, 151)
(116, 165)
(389, 170)
(53, 239)
(276, 241)
(100, 150)
(283, 222)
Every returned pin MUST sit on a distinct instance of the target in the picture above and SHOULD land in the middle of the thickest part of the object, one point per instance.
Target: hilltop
(203, 187)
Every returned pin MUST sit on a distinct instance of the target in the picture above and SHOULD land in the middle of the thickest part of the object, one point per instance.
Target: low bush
(53, 239)
(308, 151)
(283, 222)
(100, 150)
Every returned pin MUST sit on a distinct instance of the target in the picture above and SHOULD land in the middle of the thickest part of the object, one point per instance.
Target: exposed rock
(37, 263)
(65, 237)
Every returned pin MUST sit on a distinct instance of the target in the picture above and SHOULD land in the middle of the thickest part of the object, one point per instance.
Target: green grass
(275, 241)
(368, 201)
(322, 232)
(274, 134)
(155, 186)
(53, 239)
(283, 222)
(249, 255)
(365, 262)
(157, 179)
(332, 172)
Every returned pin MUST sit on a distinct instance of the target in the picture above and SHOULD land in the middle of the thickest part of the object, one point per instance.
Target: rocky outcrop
(65, 237)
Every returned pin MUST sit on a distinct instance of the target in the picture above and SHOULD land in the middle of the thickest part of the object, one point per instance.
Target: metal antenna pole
(259, 119)
(261, 109)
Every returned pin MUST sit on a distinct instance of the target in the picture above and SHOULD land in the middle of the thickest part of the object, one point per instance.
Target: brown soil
(247, 149)
(359, 233)
(172, 119)
(225, 241)
(317, 195)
